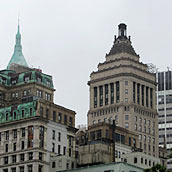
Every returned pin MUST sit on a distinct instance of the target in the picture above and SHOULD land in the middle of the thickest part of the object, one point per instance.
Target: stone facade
(123, 89)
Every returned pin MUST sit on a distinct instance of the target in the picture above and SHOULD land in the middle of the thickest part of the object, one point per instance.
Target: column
(36, 136)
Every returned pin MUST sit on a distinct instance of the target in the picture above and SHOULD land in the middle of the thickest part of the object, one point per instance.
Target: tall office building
(164, 107)
(36, 135)
(123, 89)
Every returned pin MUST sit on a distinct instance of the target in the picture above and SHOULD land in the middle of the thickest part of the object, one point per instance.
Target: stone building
(123, 89)
(34, 131)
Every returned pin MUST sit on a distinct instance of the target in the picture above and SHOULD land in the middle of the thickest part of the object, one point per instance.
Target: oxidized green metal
(14, 113)
(17, 56)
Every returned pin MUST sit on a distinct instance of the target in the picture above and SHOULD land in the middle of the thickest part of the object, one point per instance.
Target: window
(53, 134)
(39, 93)
(22, 145)
(6, 147)
(7, 135)
(70, 121)
(60, 117)
(112, 93)
(141, 160)
(47, 113)
(21, 169)
(5, 170)
(135, 160)
(53, 164)
(13, 158)
(41, 111)
(59, 149)
(41, 137)
(14, 114)
(15, 134)
(126, 99)
(126, 117)
(54, 115)
(53, 147)
(135, 118)
(65, 119)
(95, 97)
(117, 92)
(40, 156)
(13, 169)
(30, 136)
(30, 168)
(22, 157)
(126, 91)
(106, 94)
(126, 125)
(30, 155)
(126, 83)
(59, 136)
(40, 167)
(23, 132)
(22, 113)
(135, 126)
(144, 138)
(6, 160)
(70, 152)
(105, 120)
(140, 120)
(14, 146)
(30, 111)
(64, 150)
(140, 128)
(47, 96)
(101, 95)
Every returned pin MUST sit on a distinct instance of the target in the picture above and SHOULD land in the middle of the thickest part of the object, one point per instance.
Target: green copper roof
(17, 56)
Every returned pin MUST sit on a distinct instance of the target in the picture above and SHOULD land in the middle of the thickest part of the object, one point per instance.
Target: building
(34, 131)
(164, 107)
(97, 146)
(123, 89)
(111, 167)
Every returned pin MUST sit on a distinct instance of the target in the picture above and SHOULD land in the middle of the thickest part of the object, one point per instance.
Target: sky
(68, 38)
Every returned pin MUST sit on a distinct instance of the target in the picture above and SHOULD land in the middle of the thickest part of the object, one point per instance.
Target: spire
(17, 57)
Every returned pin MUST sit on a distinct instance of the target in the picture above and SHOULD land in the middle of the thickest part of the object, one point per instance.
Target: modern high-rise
(164, 107)
(36, 135)
(123, 89)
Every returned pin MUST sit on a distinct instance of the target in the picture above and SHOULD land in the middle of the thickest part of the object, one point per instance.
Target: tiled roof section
(122, 45)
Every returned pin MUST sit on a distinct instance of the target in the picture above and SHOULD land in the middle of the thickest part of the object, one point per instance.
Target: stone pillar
(11, 137)
(36, 136)
(2, 142)
(18, 139)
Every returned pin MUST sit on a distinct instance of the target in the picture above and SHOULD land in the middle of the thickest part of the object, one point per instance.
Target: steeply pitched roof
(122, 43)
(17, 57)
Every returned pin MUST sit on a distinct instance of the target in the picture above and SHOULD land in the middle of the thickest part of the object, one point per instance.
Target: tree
(157, 168)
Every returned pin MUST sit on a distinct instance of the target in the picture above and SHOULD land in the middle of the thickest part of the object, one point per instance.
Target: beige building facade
(123, 89)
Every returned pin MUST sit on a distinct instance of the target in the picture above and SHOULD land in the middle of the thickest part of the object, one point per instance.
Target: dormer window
(27, 79)
(48, 83)
(39, 79)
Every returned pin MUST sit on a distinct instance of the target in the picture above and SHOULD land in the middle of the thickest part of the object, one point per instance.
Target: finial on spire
(18, 22)
(122, 30)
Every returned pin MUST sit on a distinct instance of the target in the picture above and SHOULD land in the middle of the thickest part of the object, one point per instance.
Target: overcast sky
(68, 38)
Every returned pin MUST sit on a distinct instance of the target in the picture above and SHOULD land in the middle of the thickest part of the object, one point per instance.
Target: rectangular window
(40, 156)
(151, 97)
(134, 92)
(6, 147)
(138, 93)
(95, 97)
(60, 117)
(106, 94)
(112, 93)
(147, 99)
(117, 92)
(14, 146)
(48, 96)
(59, 136)
(70, 121)
(22, 145)
(101, 95)
(59, 149)
(30, 155)
(22, 157)
(54, 115)
(53, 147)
(15, 134)
(30, 168)
(65, 119)
(41, 111)
(64, 150)
(13, 158)
(7, 135)
(41, 137)
(30, 136)
(6, 160)
(143, 95)
(21, 169)
(23, 132)
(47, 113)
(53, 134)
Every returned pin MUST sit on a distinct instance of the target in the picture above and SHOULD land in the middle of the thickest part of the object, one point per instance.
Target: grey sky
(68, 38)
